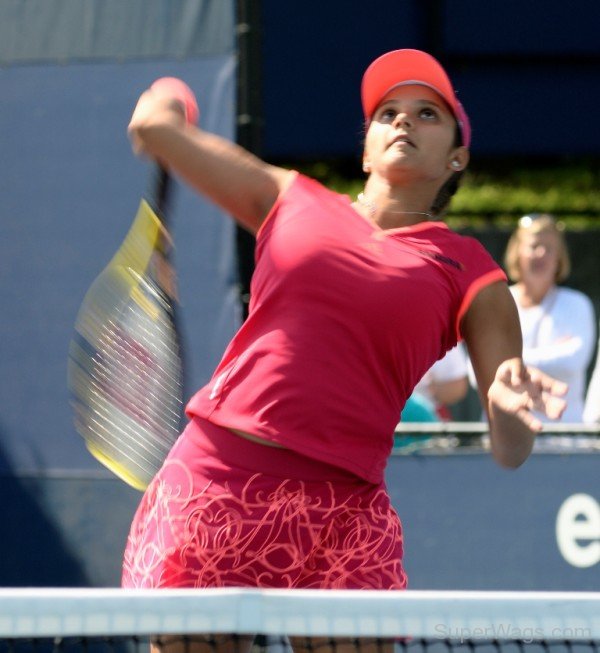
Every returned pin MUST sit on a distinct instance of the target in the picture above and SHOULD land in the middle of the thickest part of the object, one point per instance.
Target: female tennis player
(278, 480)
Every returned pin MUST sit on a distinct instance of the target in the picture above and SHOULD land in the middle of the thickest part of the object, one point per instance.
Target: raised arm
(239, 182)
(509, 391)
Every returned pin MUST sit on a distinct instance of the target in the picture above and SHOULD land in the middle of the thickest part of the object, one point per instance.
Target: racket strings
(128, 394)
(132, 375)
(125, 369)
(137, 373)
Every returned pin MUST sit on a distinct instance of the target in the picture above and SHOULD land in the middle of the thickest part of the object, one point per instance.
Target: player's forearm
(243, 185)
(511, 440)
(236, 180)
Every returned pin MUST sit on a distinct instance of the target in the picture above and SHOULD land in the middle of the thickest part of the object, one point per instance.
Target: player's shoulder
(466, 248)
(466, 242)
(444, 235)
(307, 191)
(303, 184)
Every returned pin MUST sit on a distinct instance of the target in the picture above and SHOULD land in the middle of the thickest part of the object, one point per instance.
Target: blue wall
(468, 524)
(70, 189)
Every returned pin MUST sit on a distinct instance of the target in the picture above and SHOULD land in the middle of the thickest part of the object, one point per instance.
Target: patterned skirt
(227, 512)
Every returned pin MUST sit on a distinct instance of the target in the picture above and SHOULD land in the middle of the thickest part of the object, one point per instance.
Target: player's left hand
(519, 390)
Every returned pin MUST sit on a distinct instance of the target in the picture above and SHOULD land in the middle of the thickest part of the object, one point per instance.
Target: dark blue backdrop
(528, 73)
(469, 524)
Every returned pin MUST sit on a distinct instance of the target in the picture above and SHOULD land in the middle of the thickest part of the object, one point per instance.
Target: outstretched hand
(519, 390)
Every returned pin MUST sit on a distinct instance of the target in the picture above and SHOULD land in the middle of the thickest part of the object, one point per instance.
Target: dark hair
(450, 186)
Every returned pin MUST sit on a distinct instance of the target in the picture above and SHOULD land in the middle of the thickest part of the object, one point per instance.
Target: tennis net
(448, 437)
(279, 621)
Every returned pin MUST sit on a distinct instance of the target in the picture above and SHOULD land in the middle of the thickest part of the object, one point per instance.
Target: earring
(366, 167)
(455, 164)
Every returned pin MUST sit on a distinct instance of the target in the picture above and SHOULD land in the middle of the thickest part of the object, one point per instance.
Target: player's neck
(388, 212)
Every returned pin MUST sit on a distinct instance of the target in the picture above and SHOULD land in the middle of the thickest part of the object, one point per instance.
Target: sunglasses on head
(529, 219)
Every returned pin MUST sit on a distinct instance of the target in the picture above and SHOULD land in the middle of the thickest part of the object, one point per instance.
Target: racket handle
(158, 199)
(161, 190)
(161, 182)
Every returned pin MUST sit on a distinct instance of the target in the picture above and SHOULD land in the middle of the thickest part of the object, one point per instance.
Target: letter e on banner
(578, 530)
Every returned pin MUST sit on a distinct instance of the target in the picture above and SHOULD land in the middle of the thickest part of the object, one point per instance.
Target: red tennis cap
(402, 67)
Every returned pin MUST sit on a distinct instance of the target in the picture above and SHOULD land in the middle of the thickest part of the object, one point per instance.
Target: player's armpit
(492, 333)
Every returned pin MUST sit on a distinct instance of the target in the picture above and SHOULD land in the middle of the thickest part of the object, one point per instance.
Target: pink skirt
(227, 512)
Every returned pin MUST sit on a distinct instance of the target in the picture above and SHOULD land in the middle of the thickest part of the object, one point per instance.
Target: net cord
(466, 428)
(40, 612)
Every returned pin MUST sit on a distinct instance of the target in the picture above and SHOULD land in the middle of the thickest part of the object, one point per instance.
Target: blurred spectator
(558, 323)
(591, 412)
(419, 409)
(444, 384)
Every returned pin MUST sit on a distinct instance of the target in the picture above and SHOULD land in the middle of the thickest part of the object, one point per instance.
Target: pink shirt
(344, 319)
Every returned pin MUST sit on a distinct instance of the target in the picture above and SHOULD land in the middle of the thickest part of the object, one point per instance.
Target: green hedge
(570, 192)
(499, 194)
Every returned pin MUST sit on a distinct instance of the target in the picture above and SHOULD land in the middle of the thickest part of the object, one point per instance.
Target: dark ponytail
(446, 193)
(450, 186)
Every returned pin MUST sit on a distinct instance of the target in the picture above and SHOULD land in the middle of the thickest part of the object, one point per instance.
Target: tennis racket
(125, 372)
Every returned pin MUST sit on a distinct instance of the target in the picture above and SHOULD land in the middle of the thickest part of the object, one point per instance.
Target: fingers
(520, 373)
(168, 101)
(548, 393)
(153, 108)
(176, 89)
(551, 385)
(530, 420)
(555, 407)
(513, 372)
(549, 405)
(520, 390)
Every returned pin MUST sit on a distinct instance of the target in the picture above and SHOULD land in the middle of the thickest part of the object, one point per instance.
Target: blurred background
(281, 78)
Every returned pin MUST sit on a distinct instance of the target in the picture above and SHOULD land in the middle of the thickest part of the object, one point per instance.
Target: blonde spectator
(446, 382)
(557, 322)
